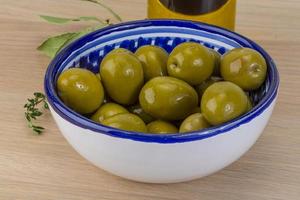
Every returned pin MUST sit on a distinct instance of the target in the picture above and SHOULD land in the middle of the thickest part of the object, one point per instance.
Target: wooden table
(46, 167)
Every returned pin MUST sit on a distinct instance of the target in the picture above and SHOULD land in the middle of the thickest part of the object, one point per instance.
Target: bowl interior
(89, 51)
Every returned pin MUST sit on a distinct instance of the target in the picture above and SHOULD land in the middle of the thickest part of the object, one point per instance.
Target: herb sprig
(32, 111)
(51, 46)
(54, 44)
(107, 8)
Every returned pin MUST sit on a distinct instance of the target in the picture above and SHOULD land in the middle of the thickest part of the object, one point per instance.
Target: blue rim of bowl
(81, 121)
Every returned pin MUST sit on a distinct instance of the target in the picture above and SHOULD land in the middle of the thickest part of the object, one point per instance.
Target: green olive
(250, 105)
(98, 76)
(222, 102)
(137, 109)
(191, 62)
(196, 110)
(245, 67)
(205, 84)
(80, 89)
(160, 126)
(154, 60)
(106, 99)
(177, 123)
(120, 50)
(126, 121)
(108, 110)
(122, 76)
(168, 98)
(194, 122)
(217, 61)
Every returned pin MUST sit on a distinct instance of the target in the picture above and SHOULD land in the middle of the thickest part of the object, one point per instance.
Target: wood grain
(46, 167)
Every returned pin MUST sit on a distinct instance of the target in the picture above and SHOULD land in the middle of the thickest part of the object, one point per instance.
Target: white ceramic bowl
(158, 158)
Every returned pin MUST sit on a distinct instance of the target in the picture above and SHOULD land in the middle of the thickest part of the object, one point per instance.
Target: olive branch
(54, 44)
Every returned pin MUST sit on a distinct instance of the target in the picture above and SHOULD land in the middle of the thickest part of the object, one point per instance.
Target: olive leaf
(89, 18)
(52, 45)
(85, 32)
(62, 20)
(80, 34)
(107, 8)
(57, 20)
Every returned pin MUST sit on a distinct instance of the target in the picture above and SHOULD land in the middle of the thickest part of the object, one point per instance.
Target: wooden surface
(46, 167)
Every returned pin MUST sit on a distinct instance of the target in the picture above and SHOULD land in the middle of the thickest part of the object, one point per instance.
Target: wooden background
(46, 167)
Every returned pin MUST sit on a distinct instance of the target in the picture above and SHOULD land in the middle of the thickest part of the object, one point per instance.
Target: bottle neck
(193, 7)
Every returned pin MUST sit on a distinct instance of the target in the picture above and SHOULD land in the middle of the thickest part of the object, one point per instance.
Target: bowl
(158, 158)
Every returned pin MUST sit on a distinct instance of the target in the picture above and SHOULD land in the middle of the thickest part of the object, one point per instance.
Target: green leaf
(56, 20)
(37, 113)
(89, 18)
(32, 111)
(30, 100)
(107, 8)
(52, 45)
(46, 106)
(27, 117)
(71, 39)
(38, 127)
(37, 131)
(39, 95)
(61, 20)
(82, 33)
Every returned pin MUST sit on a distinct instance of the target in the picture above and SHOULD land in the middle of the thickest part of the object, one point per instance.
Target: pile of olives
(150, 91)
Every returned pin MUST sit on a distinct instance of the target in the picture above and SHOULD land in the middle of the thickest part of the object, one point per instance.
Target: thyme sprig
(51, 46)
(33, 110)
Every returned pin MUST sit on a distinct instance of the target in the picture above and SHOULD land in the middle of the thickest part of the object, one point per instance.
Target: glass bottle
(193, 7)
(216, 12)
